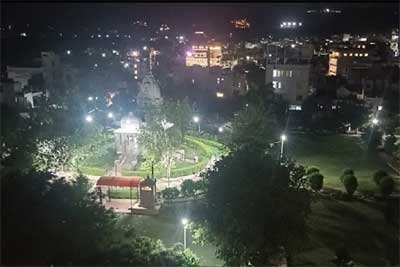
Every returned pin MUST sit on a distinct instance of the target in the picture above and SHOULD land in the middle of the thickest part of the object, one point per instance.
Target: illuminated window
(279, 85)
(363, 46)
(275, 73)
(366, 55)
(345, 54)
(351, 54)
(356, 54)
(135, 72)
(275, 84)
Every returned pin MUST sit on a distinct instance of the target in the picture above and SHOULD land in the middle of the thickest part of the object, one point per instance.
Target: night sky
(266, 16)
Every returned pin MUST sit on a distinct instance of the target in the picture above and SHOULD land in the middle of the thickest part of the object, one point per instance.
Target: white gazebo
(126, 136)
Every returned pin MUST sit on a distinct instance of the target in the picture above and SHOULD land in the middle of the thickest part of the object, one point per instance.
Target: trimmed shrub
(350, 183)
(378, 175)
(316, 181)
(386, 186)
(312, 169)
(389, 144)
(170, 193)
(346, 172)
(188, 188)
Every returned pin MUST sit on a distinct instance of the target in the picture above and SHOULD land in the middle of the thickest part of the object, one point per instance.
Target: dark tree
(48, 221)
(255, 208)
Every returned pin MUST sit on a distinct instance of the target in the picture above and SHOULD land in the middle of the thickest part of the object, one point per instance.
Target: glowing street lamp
(90, 98)
(185, 223)
(380, 108)
(110, 115)
(196, 119)
(375, 121)
(68, 52)
(89, 118)
(283, 139)
(220, 129)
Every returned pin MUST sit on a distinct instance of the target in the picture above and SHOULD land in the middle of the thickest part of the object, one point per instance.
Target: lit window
(135, 72)
(279, 85)
(345, 54)
(275, 84)
(366, 55)
(363, 46)
(274, 73)
(290, 73)
(356, 54)
(351, 54)
(220, 95)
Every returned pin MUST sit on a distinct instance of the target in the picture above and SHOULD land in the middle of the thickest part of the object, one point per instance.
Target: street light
(89, 118)
(185, 222)
(220, 129)
(283, 139)
(90, 98)
(196, 119)
(375, 121)
(110, 115)
(380, 108)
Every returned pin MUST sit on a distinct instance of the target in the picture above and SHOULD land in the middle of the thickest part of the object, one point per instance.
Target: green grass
(123, 193)
(332, 154)
(204, 148)
(95, 171)
(167, 227)
(102, 154)
(360, 227)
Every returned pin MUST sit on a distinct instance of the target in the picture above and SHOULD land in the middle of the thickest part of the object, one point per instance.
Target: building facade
(289, 80)
(209, 55)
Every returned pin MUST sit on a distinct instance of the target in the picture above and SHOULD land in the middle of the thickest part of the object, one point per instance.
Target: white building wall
(291, 81)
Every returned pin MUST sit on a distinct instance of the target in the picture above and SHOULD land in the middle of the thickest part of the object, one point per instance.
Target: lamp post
(283, 139)
(185, 222)
(89, 118)
(375, 121)
(196, 119)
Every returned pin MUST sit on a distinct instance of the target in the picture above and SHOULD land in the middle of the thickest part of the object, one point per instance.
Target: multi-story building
(342, 62)
(240, 24)
(394, 43)
(209, 55)
(289, 80)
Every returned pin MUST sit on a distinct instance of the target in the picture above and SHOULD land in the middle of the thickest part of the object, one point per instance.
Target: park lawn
(167, 227)
(334, 153)
(205, 149)
(358, 226)
(123, 193)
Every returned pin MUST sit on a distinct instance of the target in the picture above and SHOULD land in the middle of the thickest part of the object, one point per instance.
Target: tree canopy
(255, 207)
(49, 221)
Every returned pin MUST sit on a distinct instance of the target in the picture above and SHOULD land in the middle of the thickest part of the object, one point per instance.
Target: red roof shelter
(119, 181)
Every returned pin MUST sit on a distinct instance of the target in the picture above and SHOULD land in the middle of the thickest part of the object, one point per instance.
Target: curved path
(162, 183)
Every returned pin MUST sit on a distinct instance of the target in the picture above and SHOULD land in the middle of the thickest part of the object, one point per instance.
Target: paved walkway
(162, 183)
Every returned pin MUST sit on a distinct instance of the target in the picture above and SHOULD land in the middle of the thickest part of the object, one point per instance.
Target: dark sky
(263, 15)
